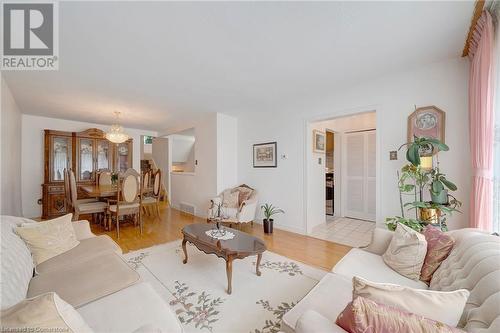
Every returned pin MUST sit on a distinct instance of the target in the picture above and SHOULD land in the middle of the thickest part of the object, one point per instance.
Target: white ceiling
(162, 62)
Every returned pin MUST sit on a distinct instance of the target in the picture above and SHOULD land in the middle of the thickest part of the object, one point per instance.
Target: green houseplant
(269, 210)
(439, 187)
(422, 146)
(114, 178)
(414, 179)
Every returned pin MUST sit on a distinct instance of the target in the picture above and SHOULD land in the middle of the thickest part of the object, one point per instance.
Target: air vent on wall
(187, 208)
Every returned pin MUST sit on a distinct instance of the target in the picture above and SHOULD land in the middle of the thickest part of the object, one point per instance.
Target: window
(148, 139)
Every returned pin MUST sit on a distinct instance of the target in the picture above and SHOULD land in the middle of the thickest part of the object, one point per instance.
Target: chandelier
(116, 134)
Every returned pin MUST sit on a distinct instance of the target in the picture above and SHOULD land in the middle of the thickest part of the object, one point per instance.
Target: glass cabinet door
(103, 155)
(124, 157)
(86, 159)
(61, 157)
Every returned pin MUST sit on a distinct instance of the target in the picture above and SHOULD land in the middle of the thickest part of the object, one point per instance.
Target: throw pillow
(406, 252)
(47, 239)
(46, 312)
(366, 316)
(230, 199)
(443, 306)
(439, 246)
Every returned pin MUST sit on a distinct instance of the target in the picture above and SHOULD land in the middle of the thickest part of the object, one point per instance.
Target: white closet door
(360, 175)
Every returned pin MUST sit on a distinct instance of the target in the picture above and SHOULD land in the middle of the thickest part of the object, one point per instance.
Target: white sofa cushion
(371, 267)
(313, 322)
(329, 297)
(130, 309)
(17, 263)
(442, 306)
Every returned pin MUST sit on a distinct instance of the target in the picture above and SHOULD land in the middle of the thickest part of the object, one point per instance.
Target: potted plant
(269, 210)
(422, 147)
(415, 179)
(114, 178)
(439, 194)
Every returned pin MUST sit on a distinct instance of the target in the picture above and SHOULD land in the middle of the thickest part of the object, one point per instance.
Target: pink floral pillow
(365, 316)
(439, 246)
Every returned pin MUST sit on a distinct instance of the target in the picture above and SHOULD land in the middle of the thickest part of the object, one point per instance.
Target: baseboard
(295, 230)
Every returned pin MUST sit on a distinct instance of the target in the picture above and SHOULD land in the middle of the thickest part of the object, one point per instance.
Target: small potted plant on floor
(269, 210)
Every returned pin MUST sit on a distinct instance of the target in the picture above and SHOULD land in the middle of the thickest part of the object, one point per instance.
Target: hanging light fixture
(116, 134)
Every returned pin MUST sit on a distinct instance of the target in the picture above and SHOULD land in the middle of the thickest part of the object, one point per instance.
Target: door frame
(336, 135)
(307, 154)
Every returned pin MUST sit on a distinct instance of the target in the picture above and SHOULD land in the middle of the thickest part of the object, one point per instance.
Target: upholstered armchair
(238, 205)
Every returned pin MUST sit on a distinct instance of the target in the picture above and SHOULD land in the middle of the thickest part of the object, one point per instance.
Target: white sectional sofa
(93, 277)
(473, 264)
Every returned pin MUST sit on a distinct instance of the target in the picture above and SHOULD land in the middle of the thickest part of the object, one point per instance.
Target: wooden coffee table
(241, 246)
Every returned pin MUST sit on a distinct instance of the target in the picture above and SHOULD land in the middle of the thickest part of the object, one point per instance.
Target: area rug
(196, 291)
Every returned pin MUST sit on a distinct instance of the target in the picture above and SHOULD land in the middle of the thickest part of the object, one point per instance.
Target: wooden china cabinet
(85, 153)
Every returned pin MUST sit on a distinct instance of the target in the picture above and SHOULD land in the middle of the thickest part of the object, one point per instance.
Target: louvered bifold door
(360, 175)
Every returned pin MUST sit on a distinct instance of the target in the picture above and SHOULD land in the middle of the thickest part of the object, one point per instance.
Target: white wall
(316, 164)
(227, 152)
(183, 151)
(393, 97)
(199, 187)
(33, 157)
(10, 200)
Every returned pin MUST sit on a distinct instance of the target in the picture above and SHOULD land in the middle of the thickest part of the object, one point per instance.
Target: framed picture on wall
(265, 155)
(319, 141)
(427, 121)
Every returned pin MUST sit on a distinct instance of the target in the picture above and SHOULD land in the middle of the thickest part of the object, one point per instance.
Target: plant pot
(441, 198)
(268, 226)
(429, 215)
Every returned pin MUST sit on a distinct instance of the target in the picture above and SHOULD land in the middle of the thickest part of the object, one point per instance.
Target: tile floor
(345, 231)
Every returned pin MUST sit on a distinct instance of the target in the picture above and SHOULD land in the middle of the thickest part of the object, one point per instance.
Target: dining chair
(83, 206)
(67, 193)
(146, 179)
(154, 198)
(104, 178)
(128, 200)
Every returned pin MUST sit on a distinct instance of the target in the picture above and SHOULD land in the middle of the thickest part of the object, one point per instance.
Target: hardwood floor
(309, 250)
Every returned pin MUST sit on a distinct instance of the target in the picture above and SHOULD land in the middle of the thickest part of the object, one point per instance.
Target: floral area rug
(196, 291)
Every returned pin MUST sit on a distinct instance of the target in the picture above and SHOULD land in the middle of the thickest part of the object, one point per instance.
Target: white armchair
(244, 213)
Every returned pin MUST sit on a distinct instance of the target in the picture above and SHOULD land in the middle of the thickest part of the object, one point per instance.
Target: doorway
(341, 180)
(329, 182)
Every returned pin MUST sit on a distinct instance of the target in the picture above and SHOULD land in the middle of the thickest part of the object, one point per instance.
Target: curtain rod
(478, 10)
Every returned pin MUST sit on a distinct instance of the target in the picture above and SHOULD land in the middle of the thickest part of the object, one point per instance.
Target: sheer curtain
(481, 123)
(60, 162)
(496, 162)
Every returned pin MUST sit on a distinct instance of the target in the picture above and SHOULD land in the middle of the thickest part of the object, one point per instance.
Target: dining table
(104, 191)
(100, 191)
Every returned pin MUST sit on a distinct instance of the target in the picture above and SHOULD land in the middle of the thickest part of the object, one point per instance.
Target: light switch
(320, 160)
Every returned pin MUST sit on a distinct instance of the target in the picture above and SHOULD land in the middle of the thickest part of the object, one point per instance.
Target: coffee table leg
(229, 272)
(184, 241)
(259, 257)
